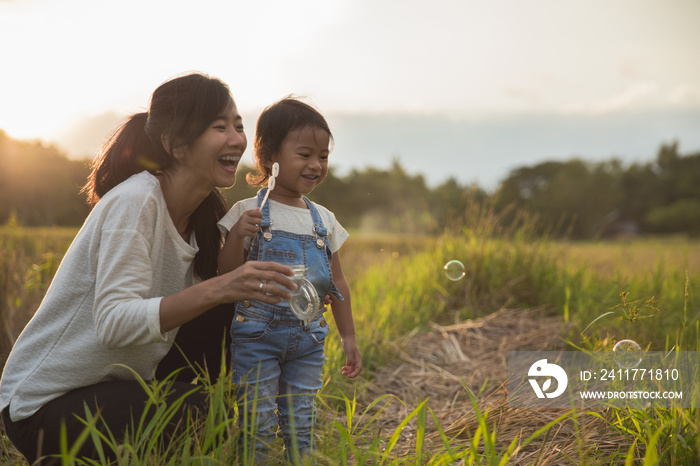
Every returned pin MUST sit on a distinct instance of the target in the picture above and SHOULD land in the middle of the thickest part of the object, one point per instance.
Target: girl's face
(214, 156)
(303, 160)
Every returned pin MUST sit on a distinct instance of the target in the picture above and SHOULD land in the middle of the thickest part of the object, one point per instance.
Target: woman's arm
(240, 284)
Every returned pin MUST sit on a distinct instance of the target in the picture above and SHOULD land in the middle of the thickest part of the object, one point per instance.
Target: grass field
(410, 406)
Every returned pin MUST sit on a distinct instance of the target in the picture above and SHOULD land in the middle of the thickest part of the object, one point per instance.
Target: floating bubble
(627, 354)
(454, 270)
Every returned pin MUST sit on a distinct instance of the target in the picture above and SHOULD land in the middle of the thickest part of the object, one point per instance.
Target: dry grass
(438, 364)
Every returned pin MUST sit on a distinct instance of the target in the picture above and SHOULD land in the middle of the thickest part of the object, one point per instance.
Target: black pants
(204, 342)
(116, 401)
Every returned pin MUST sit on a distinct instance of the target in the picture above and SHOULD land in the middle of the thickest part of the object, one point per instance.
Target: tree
(40, 184)
(571, 196)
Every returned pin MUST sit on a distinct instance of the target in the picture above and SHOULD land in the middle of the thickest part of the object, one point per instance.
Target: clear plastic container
(299, 272)
(305, 303)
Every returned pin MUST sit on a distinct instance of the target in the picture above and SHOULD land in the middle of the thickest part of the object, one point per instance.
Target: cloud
(529, 95)
(684, 94)
(635, 95)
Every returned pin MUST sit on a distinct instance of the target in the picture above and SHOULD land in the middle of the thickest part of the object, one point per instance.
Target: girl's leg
(116, 401)
(256, 351)
(256, 411)
(300, 381)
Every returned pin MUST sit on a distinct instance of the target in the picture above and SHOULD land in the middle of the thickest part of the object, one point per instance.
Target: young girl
(273, 352)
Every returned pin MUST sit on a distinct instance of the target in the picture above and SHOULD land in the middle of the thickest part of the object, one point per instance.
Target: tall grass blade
(397, 432)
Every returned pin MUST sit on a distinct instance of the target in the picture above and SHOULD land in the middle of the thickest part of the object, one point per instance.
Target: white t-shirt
(296, 220)
(102, 308)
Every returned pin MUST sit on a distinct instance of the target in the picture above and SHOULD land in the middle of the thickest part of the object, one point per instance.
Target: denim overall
(273, 352)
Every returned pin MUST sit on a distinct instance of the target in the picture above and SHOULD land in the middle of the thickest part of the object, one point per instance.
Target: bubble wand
(271, 182)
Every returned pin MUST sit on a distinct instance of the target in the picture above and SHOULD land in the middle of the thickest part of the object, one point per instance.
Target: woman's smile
(230, 162)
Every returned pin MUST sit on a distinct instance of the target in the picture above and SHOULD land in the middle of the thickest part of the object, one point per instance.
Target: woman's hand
(248, 224)
(252, 281)
(249, 281)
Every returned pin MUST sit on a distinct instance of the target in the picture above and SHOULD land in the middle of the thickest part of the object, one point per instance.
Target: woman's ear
(166, 143)
(178, 152)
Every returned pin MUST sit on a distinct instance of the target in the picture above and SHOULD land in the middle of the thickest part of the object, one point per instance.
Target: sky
(392, 77)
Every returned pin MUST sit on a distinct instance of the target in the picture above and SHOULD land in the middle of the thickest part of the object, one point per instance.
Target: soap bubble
(627, 354)
(454, 270)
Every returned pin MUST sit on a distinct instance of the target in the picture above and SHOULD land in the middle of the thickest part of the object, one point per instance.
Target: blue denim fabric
(277, 361)
(313, 250)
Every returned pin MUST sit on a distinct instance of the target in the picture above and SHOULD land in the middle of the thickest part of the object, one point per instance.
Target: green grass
(603, 289)
(29, 258)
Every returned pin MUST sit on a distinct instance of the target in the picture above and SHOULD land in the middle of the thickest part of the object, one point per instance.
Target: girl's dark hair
(180, 110)
(274, 123)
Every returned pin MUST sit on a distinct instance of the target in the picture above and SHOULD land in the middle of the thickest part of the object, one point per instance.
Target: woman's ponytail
(128, 151)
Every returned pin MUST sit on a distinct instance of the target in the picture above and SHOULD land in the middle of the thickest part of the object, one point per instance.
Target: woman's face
(214, 156)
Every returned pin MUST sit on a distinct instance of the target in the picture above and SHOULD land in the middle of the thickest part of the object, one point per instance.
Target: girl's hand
(353, 360)
(248, 224)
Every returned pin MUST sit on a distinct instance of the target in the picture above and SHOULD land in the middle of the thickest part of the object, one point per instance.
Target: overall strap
(319, 229)
(255, 249)
(265, 210)
(323, 242)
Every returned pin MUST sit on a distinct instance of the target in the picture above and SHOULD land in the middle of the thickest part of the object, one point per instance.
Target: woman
(142, 265)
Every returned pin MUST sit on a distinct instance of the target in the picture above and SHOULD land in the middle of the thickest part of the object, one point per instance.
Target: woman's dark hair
(179, 112)
(273, 125)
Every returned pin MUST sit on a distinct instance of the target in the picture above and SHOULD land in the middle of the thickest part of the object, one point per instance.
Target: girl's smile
(303, 159)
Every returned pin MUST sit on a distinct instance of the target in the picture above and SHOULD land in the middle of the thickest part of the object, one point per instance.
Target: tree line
(39, 185)
(593, 199)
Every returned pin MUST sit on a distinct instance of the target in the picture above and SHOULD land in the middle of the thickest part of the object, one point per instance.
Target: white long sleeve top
(101, 312)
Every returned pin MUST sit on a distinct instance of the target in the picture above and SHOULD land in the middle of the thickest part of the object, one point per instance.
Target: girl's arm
(232, 254)
(342, 313)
